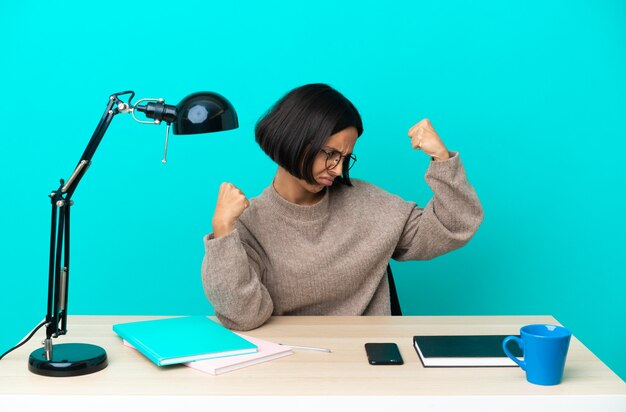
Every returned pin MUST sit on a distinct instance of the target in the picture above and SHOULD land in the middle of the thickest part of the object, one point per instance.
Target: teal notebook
(178, 340)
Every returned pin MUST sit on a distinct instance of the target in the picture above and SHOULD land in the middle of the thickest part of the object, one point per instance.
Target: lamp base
(68, 359)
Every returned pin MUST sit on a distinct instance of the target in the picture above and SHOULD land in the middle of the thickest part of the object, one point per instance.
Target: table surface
(345, 371)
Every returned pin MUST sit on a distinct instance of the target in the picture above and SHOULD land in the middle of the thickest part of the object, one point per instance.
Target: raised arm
(454, 213)
(232, 267)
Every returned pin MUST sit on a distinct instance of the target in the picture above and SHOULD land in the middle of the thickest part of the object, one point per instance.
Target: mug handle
(520, 343)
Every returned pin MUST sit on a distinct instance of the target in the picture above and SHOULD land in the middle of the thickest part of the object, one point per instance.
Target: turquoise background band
(531, 93)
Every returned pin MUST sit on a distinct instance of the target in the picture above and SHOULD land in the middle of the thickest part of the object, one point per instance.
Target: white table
(311, 380)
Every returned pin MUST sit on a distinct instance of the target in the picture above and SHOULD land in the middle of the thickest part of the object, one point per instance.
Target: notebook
(461, 350)
(185, 339)
(267, 351)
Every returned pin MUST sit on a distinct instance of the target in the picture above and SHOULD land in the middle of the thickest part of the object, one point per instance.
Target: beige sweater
(330, 258)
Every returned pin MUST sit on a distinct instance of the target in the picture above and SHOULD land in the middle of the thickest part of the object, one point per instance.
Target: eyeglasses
(333, 158)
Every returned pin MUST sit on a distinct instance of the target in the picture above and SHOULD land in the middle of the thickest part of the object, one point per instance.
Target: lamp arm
(59, 267)
(114, 106)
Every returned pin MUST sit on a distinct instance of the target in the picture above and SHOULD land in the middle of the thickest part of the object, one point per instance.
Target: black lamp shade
(204, 112)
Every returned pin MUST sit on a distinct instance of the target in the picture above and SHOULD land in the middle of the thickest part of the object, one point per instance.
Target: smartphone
(383, 354)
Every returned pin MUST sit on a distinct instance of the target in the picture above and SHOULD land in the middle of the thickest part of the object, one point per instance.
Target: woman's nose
(336, 171)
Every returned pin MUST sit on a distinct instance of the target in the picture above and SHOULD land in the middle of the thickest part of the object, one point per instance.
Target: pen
(307, 348)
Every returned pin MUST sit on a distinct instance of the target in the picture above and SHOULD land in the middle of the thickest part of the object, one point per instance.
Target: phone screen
(383, 354)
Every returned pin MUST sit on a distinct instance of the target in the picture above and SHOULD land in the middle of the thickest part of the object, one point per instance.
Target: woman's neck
(292, 190)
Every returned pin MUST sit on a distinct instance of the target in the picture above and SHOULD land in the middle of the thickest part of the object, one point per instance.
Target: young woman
(316, 242)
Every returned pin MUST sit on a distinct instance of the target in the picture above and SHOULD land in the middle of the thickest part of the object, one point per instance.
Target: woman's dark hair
(295, 129)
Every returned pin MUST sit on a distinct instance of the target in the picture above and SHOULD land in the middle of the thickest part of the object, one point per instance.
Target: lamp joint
(123, 107)
(47, 348)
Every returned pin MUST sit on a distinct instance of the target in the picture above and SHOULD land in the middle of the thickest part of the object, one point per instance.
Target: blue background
(531, 93)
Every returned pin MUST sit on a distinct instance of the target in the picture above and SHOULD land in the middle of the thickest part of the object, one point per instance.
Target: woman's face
(342, 142)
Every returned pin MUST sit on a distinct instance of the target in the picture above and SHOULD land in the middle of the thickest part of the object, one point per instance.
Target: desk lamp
(203, 112)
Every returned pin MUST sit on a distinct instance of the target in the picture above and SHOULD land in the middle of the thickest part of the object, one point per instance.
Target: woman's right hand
(231, 203)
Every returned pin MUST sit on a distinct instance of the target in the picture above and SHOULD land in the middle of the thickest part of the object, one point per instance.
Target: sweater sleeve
(231, 276)
(448, 221)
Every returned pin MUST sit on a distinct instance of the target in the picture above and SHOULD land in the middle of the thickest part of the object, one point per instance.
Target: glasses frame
(331, 153)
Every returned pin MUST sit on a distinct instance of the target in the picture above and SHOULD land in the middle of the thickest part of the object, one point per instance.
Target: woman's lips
(326, 181)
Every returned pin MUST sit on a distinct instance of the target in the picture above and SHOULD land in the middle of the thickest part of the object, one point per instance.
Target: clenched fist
(231, 203)
(424, 137)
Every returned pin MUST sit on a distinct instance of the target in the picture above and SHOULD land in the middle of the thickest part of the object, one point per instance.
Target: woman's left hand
(425, 138)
